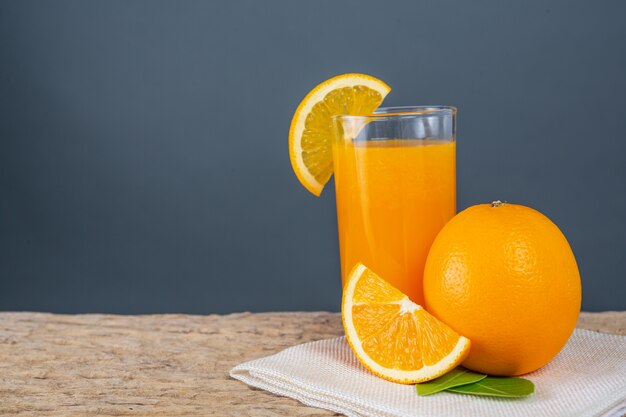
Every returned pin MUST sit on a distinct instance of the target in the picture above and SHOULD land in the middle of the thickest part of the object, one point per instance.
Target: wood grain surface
(160, 365)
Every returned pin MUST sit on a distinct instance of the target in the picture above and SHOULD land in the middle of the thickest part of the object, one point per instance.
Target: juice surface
(393, 197)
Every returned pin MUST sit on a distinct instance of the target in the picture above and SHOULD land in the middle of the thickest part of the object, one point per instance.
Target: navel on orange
(310, 133)
(504, 276)
(392, 336)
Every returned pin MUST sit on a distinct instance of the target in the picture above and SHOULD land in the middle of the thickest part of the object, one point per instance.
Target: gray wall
(143, 144)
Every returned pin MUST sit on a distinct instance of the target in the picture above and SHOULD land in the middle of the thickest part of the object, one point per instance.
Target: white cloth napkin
(587, 379)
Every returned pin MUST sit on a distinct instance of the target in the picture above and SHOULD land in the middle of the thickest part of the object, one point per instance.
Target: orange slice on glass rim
(310, 133)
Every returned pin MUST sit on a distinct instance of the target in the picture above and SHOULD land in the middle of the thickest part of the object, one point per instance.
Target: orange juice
(393, 197)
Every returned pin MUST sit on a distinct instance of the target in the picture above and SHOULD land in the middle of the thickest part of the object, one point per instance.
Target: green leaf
(497, 387)
(454, 378)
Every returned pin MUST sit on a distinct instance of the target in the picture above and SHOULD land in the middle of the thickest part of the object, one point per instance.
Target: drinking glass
(395, 182)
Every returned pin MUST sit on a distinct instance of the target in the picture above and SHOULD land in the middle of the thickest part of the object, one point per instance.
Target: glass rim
(382, 113)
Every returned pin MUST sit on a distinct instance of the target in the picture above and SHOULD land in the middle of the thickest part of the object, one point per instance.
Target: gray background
(143, 144)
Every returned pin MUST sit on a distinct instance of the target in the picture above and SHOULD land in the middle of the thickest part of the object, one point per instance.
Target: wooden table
(159, 365)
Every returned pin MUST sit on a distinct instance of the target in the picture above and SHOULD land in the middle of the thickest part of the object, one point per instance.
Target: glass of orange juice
(395, 183)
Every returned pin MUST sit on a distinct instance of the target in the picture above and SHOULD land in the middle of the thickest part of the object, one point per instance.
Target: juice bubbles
(393, 197)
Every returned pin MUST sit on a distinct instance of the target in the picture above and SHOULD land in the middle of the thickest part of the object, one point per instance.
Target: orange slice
(310, 133)
(392, 336)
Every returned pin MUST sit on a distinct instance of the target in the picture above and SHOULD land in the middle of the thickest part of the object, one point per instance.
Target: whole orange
(504, 276)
